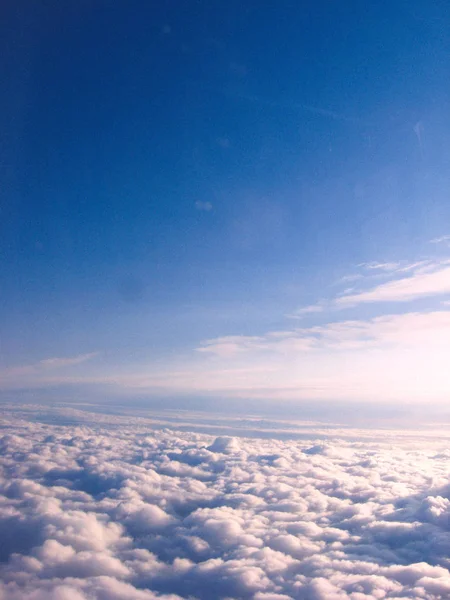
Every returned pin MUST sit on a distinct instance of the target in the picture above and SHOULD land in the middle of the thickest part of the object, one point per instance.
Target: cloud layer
(116, 511)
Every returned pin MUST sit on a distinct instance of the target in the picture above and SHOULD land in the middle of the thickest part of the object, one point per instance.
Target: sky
(225, 200)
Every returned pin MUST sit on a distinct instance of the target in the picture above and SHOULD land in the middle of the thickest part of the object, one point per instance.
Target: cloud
(316, 110)
(34, 372)
(422, 283)
(224, 445)
(350, 278)
(407, 281)
(203, 206)
(232, 344)
(379, 266)
(441, 239)
(306, 310)
(391, 357)
(180, 515)
(395, 356)
(394, 330)
(223, 142)
(384, 357)
(60, 362)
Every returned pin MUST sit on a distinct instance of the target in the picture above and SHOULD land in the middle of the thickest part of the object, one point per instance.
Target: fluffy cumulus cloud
(118, 511)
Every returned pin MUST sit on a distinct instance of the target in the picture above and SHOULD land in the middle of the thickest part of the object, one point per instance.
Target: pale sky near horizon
(226, 200)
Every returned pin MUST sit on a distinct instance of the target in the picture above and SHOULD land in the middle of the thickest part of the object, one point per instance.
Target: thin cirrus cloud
(388, 355)
(385, 356)
(60, 362)
(406, 281)
(440, 240)
(395, 267)
(380, 266)
(203, 206)
(45, 365)
(391, 330)
(401, 357)
(422, 283)
(307, 310)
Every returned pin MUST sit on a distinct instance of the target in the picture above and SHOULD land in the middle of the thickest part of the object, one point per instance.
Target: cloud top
(112, 511)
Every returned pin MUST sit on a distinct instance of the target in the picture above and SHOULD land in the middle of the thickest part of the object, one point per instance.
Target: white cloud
(34, 372)
(441, 239)
(420, 284)
(231, 345)
(306, 310)
(385, 357)
(101, 512)
(394, 357)
(203, 206)
(60, 362)
(406, 281)
(391, 330)
(381, 266)
(350, 278)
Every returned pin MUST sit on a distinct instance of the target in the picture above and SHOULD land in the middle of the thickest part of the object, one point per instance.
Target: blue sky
(241, 200)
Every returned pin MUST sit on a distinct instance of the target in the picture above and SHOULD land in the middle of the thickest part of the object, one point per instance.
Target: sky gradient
(226, 200)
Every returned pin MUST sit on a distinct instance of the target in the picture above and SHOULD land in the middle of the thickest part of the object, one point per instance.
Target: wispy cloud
(380, 266)
(381, 357)
(306, 310)
(392, 330)
(203, 206)
(396, 267)
(376, 357)
(390, 357)
(46, 365)
(441, 239)
(402, 281)
(283, 103)
(350, 278)
(60, 362)
(421, 283)
(231, 345)
(400, 357)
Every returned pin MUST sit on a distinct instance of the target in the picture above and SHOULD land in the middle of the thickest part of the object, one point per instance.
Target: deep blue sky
(179, 171)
